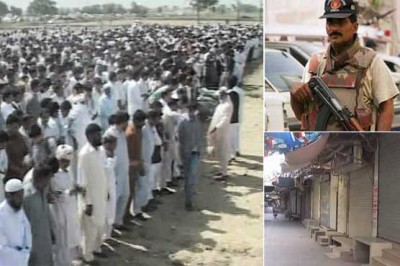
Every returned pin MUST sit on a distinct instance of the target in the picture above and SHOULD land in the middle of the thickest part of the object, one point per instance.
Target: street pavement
(288, 243)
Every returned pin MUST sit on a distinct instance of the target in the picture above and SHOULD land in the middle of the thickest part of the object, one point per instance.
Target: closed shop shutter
(333, 202)
(293, 201)
(298, 209)
(307, 203)
(324, 207)
(342, 204)
(360, 209)
(389, 184)
(315, 212)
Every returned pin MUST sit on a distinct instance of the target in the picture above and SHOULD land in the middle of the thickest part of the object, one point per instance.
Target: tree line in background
(4, 9)
(49, 7)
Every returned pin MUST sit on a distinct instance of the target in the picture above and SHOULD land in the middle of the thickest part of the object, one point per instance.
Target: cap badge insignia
(336, 4)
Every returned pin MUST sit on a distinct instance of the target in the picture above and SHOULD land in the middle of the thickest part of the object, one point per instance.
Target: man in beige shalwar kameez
(218, 133)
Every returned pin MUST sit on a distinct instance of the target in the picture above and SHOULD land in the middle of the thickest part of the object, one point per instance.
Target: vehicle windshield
(310, 48)
(282, 70)
(393, 67)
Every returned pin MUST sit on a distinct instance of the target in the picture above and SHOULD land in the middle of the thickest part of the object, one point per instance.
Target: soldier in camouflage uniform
(357, 75)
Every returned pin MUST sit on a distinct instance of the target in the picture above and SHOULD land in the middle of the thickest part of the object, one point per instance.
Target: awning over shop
(288, 152)
(303, 156)
(285, 142)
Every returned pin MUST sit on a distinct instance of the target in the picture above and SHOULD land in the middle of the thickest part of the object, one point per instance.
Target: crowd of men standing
(96, 125)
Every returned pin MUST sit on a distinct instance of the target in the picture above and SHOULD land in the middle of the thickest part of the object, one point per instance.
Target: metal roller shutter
(307, 203)
(293, 201)
(333, 202)
(298, 209)
(325, 197)
(360, 213)
(315, 210)
(342, 205)
(389, 184)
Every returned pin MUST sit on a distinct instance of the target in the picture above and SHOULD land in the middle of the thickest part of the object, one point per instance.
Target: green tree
(200, 5)
(109, 8)
(113, 9)
(139, 10)
(120, 9)
(42, 7)
(3, 8)
(248, 8)
(16, 11)
(93, 9)
(222, 9)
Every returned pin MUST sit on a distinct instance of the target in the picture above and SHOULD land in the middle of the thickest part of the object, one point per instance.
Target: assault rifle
(331, 106)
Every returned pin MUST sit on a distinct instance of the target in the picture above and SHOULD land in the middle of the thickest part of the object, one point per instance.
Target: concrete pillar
(333, 201)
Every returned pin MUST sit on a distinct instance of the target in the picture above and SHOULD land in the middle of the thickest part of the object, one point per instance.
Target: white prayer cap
(65, 152)
(222, 90)
(78, 98)
(13, 185)
(175, 95)
(110, 133)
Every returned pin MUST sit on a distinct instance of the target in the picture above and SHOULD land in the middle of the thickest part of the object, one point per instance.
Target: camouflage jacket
(345, 75)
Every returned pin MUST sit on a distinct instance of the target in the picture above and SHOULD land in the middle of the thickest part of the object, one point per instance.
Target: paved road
(289, 244)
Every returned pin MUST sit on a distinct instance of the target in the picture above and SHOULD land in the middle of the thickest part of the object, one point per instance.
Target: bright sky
(272, 167)
(152, 3)
(294, 12)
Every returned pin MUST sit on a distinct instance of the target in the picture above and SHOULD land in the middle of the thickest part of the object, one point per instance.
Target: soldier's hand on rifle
(301, 92)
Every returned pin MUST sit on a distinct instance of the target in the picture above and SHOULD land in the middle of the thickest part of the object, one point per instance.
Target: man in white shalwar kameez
(237, 98)
(79, 118)
(240, 61)
(144, 185)
(121, 166)
(109, 145)
(65, 209)
(92, 177)
(134, 96)
(3, 161)
(170, 122)
(167, 126)
(107, 107)
(15, 230)
(218, 132)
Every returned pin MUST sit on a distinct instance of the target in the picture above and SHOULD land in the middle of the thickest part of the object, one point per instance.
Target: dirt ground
(228, 227)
